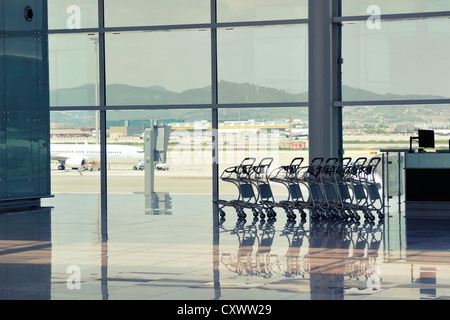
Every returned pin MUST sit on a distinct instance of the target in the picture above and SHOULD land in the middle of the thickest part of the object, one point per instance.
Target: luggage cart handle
(248, 159)
(316, 161)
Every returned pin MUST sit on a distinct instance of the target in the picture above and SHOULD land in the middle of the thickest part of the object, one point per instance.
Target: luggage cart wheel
(302, 214)
(380, 215)
(222, 213)
(273, 213)
(255, 212)
(366, 215)
(290, 214)
(241, 213)
(262, 215)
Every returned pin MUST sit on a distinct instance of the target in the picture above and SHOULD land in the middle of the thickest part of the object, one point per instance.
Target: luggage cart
(331, 190)
(343, 183)
(288, 176)
(317, 202)
(240, 176)
(374, 201)
(260, 178)
(358, 183)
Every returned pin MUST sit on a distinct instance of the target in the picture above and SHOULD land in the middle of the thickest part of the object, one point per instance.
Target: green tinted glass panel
(20, 159)
(2, 154)
(21, 73)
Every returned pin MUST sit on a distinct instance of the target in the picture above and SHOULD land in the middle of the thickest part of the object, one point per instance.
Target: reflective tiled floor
(79, 250)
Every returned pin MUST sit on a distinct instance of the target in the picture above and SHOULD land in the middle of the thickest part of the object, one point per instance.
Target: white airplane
(297, 133)
(439, 132)
(76, 156)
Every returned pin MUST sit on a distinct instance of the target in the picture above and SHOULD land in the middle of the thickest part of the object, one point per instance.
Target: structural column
(324, 122)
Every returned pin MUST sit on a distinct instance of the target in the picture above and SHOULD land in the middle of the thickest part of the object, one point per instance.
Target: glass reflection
(260, 10)
(334, 256)
(156, 12)
(73, 70)
(158, 68)
(365, 7)
(123, 253)
(72, 14)
(402, 60)
(266, 64)
(25, 255)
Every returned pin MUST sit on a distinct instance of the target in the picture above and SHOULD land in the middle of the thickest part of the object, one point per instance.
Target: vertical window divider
(102, 98)
(214, 109)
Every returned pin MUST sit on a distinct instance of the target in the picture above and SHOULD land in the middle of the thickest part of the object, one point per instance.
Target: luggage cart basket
(374, 201)
(260, 178)
(240, 176)
(356, 181)
(343, 181)
(287, 176)
(333, 201)
(317, 202)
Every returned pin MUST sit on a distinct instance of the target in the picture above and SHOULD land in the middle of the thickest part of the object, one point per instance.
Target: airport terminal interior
(254, 150)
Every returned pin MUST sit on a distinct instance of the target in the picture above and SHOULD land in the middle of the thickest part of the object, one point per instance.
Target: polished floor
(75, 248)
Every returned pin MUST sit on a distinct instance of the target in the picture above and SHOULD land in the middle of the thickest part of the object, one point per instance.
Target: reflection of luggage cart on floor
(246, 261)
(240, 177)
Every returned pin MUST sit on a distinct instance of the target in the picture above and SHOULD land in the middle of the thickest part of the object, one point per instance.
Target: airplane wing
(58, 157)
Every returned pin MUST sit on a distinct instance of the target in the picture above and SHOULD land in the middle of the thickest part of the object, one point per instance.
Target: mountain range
(229, 92)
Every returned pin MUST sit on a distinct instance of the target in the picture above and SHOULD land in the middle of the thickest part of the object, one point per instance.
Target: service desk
(427, 176)
(426, 182)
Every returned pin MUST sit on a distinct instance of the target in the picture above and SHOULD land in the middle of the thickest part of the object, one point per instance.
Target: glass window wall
(260, 10)
(180, 142)
(75, 155)
(156, 12)
(268, 64)
(365, 7)
(158, 68)
(72, 14)
(274, 136)
(390, 127)
(403, 60)
(73, 67)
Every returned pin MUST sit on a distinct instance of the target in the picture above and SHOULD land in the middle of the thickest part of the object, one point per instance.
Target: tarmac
(183, 176)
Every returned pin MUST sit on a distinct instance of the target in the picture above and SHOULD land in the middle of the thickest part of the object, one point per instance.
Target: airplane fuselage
(91, 152)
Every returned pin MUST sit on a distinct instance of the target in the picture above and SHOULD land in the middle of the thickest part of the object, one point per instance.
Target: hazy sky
(404, 57)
